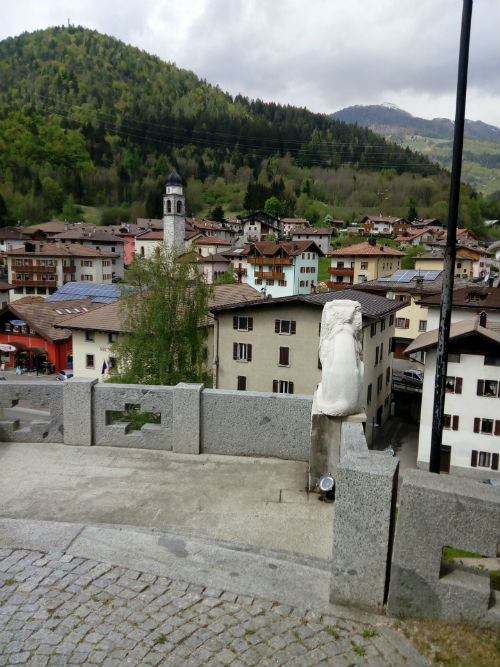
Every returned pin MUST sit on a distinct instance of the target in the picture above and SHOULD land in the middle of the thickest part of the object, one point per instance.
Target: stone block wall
(39, 396)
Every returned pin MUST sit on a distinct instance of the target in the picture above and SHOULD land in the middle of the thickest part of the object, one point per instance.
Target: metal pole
(450, 252)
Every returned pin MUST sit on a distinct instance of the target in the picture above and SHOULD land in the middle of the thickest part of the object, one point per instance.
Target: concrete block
(42, 395)
(365, 501)
(77, 408)
(186, 428)
(249, 423)
(437, 511)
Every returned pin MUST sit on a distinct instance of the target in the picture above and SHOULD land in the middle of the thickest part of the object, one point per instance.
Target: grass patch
(369, 632)
(359, 649)
(334, 633)
(161, 639)
(453, 644)
(9, 582)
(250, 632)
(450, 553)
(495, 580)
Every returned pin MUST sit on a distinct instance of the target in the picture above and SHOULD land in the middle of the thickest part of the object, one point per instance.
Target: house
(414, 237)
(322, 236)
(431, 223)
(282, 268)
(361, 262)
(218, 229)
(289, 224)
(238, 257)
(94, 333)
(272, 345)
(210, 245)
(467, 301)
(380, 224)
(146, 242)
(30, 329)
(471, 427)
(5, 288)
(41, 267)
(99, 238)
(259, 225)
(434, 261)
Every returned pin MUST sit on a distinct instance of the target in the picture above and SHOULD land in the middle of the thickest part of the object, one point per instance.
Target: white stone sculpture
(340, 350)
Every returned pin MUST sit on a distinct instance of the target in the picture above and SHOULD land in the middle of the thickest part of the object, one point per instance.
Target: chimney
(372, 241)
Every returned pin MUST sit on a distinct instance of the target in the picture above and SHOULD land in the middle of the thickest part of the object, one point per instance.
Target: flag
(104, 366)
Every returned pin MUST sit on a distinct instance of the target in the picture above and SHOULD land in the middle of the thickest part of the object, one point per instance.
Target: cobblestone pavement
(58, 609)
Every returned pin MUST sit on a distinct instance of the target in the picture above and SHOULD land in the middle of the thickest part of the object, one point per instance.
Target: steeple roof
(174, 178)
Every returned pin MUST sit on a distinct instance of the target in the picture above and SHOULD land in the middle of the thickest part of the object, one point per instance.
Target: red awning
(36, 350)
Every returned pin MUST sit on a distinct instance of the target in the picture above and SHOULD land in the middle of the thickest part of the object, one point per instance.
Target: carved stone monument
(337, 402)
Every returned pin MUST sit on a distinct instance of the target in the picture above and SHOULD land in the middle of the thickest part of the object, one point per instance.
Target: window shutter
(293, 327)
(455, 423)
(249, 353)
(284, 356)
(497, 427)
(275, 386)
(235, 322)
(90, 263)
(494, 461)
(276, 326)
(235, 350)
(290, 387)
(480, 387)
(473, 459)
(242, 382)
(391, 344)
(81, 262)
(477, 423)
(250, 324)
(458, 385)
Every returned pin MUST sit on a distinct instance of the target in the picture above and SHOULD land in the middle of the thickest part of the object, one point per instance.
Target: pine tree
(165, 317)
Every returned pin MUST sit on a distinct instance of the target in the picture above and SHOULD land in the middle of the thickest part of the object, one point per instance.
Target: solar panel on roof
(103, 299)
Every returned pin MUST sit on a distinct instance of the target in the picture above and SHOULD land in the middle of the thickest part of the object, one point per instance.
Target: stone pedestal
(329, 437)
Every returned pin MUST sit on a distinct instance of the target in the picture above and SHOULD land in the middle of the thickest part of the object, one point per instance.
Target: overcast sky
(320, 54)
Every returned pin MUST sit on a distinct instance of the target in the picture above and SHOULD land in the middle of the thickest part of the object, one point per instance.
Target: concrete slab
(237, 499)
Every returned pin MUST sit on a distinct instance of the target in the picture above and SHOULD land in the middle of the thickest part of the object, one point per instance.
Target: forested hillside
(86, 120)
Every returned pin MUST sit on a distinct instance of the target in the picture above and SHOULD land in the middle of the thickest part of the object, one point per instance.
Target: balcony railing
(270, 274)
(338, 285)
(34, 269)
(340, 271)
(69, 269)
(270, 261)
(34, 283)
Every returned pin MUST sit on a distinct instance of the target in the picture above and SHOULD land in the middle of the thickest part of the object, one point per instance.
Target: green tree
(412, 209)
(274, 207)
(217, 214)
(165, 317)
(228, 277)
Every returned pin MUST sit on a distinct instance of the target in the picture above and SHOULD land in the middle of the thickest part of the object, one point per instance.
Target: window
(282, 387)
(373, 329)
(388, 375)
(112, 337)
(483, 459)
(379, 383)
(86, 262)
(364, 266)
(169, 206)
(451, 422)
(270, 282)
(340, 265)
(90, 335)
(89, 361)
(369, 395)
(243, 323)
(382, 325)
(453, 357)
(422, 326)
(490, 361)
(242, 352)
(453, 385)
(376, 355)
(258, 281)
(282, 283)
(284, 356)
(287, 327)
(241, 383)
(391, 320)
(486, 426)
(487, 388)
(404, 298)
(381, 351)
(86, 277)
(402, 323)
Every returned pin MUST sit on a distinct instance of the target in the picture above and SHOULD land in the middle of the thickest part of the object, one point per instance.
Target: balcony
(34, 269)
(270, 274)
(338, 285)
(69, 269)
(34, 283)
(271, 261)
(340, 271)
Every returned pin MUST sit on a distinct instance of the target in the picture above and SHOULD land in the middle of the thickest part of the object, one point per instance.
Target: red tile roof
(366, 248)
(292, 248)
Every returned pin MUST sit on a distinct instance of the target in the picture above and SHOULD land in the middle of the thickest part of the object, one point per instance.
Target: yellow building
(362, 262)
(434, 260)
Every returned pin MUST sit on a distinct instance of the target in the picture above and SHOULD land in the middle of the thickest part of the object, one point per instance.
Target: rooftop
(366, 248)
(292, 248)
(458, 330)
(471, 296)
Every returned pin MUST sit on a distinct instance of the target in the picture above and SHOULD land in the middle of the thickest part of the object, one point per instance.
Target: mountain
(434, 138)
(90, 126)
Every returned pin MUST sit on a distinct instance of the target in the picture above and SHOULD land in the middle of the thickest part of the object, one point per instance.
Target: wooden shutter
(242, 382)
(497, 427)
(473, 459)
(480, 388)
(284, 356)
(276, 326)
(455, 423)
(249, 353)
(477, 424)
(235, 322)
(275, 386)
(293, 327)
(81, 262)
(250, 324)
(494, 461)
(290, 387)
(90, 263)
(235, 350)
(458, 385)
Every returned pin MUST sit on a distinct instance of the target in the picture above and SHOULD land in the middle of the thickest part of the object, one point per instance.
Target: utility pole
(450, 251)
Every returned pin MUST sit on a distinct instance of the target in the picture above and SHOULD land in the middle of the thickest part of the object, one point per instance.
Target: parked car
(65, 374)
(413, 377)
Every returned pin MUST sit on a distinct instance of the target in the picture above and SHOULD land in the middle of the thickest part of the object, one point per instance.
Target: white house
(471, 429)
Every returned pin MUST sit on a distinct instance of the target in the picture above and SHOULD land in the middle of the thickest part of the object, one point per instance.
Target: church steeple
(174, 213)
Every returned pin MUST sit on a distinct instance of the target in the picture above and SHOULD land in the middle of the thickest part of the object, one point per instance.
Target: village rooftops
(89, 233)
(291, 248)
(366, 248)
(312, 231)
(109, 318)
(415, 282)
(476, 297)
(372, 306)
(458, 330)
(212, 240)
(54, 250)
(391, 219)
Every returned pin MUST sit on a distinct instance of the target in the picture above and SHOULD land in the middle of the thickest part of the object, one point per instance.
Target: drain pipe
(451, 237)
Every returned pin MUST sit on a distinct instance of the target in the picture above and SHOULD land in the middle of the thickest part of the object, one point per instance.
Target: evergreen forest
(90, 128)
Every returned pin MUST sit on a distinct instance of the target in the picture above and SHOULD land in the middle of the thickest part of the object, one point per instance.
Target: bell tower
(174, 212)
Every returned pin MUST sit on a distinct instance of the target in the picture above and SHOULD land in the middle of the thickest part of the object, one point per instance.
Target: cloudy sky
(321, 54)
